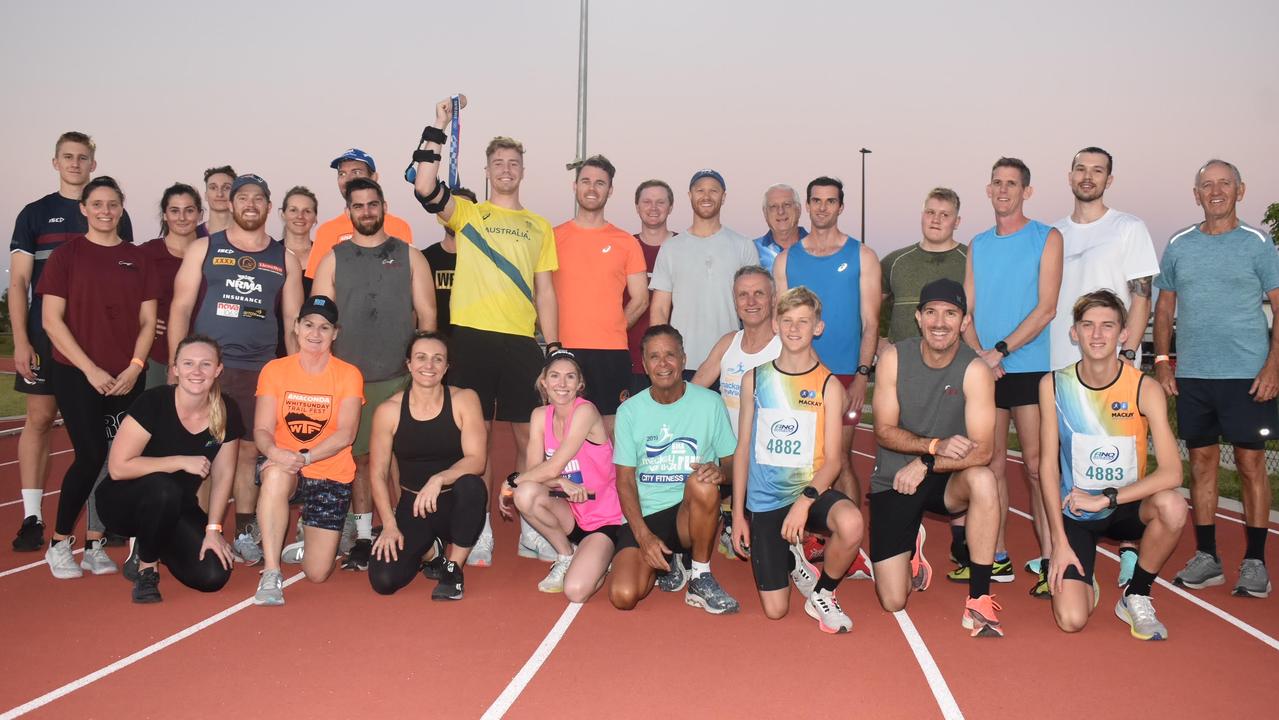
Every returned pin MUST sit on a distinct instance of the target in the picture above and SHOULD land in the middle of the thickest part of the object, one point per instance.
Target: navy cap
(354, 154)
(944, 290)
(322, 306)
(250, 179)
(707, 173)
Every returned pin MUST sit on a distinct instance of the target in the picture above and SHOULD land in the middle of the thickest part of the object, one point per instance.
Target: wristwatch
(928, 460)
(864, 370)
(510, 480)
(1128, 354)
(810, 492)
(1002, 347)
(306, 456)
(1112, 494)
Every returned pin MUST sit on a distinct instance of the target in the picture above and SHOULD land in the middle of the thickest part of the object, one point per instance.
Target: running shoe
(554, 580)
(860, 569)
(533, 545)
(347, 541)
(1139, 613)
(676, 578)
(804, 574)
(1032, 566)
(146, 589)
(61, 559)
(482, 554)
(432, 569)
(30, 535)
(726, 542)
(921, 573)
(960, 574)
(980, 617)
(705, 592)
(450, 585)
(1202, 571)
(293, 553)
(358, 558)
(823, 607)
(815, 548)
(246, 548)
(1001, 571)
(1127, 564)
(270, 589)
(96, 560)
(1254, 580)
(1041, 588)
(130, 568)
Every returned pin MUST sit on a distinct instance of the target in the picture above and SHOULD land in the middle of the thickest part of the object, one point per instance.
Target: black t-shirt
(443, 263)
(156, 412)
(41, 228)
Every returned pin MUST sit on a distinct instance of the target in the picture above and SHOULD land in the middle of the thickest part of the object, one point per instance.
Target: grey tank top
(242, 292)
(931, 402)
(374, 291)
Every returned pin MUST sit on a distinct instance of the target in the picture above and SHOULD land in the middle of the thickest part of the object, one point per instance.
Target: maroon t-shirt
(636, 333)
(164, 268)
(104, 288)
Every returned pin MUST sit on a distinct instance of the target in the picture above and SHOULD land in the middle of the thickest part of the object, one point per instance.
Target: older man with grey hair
(782, 207)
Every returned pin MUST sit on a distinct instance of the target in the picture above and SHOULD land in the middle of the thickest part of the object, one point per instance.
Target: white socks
(699, 568)
(31, 498)
(364, 526)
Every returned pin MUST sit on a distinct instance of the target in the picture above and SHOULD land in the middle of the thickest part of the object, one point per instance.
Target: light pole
(581, 83)
(864, 153)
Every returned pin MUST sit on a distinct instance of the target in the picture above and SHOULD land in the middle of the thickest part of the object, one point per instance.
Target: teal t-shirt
(663, 441)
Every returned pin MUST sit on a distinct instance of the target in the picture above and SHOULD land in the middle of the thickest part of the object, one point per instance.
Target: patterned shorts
(324, 503)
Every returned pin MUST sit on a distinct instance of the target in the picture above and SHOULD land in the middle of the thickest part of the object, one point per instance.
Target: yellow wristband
(213, 526)
(932, 447)
(139, 363)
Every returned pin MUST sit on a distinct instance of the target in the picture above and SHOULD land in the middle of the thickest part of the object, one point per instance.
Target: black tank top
(425, 447)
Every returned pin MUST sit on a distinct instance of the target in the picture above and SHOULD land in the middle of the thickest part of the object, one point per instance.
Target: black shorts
(771, 560)
(1212, 409)
(895, 518)
(42, 383)
(607, 374)
(501, 368)
(324, 503)
(609, 531)
(1017, 389)
(639, 383)
(242, 387)
(1124, 524)
(662, 524)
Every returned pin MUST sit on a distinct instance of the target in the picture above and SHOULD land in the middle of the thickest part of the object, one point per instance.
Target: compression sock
(1206, 539)
(1141, 581)
(978, 580)
(1256, 538)
(364, 526)
(826, 582)
(700, 567)
(31, 503)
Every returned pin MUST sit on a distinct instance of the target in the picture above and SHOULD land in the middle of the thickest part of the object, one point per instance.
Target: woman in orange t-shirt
(307, 413)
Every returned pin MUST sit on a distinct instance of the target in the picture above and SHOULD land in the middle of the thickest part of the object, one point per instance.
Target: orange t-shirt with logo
(594, 265)
(306, 409)
(339, 228)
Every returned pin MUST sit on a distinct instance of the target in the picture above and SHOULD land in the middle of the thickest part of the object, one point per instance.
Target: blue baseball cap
(707, 173)
(354, 154)
(250, 179)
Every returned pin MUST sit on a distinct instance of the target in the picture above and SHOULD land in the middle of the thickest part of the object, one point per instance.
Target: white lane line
(19, 502)
(36, 564)
(125, 662)
(56, 452)
(526, 673)
(941, 691)
(1203, 604)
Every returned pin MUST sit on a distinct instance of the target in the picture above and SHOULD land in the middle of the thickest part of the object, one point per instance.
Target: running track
(82, 649)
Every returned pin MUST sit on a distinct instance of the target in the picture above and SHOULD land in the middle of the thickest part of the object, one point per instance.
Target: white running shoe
(61, 559)
(554, 580)
(96, 560)
(805, 574)
(533, 545)
(293, 553)
(482, 554)
(270, 589)
(824, 608)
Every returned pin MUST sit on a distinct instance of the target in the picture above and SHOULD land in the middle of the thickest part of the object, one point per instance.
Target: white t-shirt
(735, 364)
(1106, 254)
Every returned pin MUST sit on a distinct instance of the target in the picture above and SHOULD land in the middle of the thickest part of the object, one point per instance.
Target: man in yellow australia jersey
(1093, 470)
(502, 290)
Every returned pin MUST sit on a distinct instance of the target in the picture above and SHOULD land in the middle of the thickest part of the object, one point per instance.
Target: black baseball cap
(944, 290)
(322, 306)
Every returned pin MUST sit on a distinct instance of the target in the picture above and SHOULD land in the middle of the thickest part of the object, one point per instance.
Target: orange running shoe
(980, 618)
(921, 573)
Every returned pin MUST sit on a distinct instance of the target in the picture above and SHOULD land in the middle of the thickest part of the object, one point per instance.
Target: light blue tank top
(1006, 280)
(837, 281)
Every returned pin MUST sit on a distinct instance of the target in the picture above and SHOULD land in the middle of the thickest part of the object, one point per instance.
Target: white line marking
(38, 563)
(526, 673)
(937, 683)
(19, 502)
(125, 662)
(56, 452)
(1203, 604)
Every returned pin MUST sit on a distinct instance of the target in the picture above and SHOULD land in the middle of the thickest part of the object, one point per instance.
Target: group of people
(687, 390)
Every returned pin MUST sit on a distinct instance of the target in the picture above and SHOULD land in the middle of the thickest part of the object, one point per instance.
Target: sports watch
(1002, 347)
(1112, 495)
(928, 460)
(810, 492)
(864, 370)
(1128, 354)
(306, 456)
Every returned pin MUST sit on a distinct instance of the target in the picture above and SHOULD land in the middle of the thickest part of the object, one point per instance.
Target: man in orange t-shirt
(598, 261)
(351, 164)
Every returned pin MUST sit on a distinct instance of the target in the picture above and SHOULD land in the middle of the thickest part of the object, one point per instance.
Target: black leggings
(458, 519)
(163, 514)
(91, 420)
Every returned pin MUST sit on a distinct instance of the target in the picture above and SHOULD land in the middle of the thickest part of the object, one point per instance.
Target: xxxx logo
(306, 414)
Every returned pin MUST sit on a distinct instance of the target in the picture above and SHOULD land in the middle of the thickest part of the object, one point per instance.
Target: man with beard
(354, 163)
(694, 272)
(247, 280)
(383, 292)
(502, 290)
(598, 262)
(782, 209)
